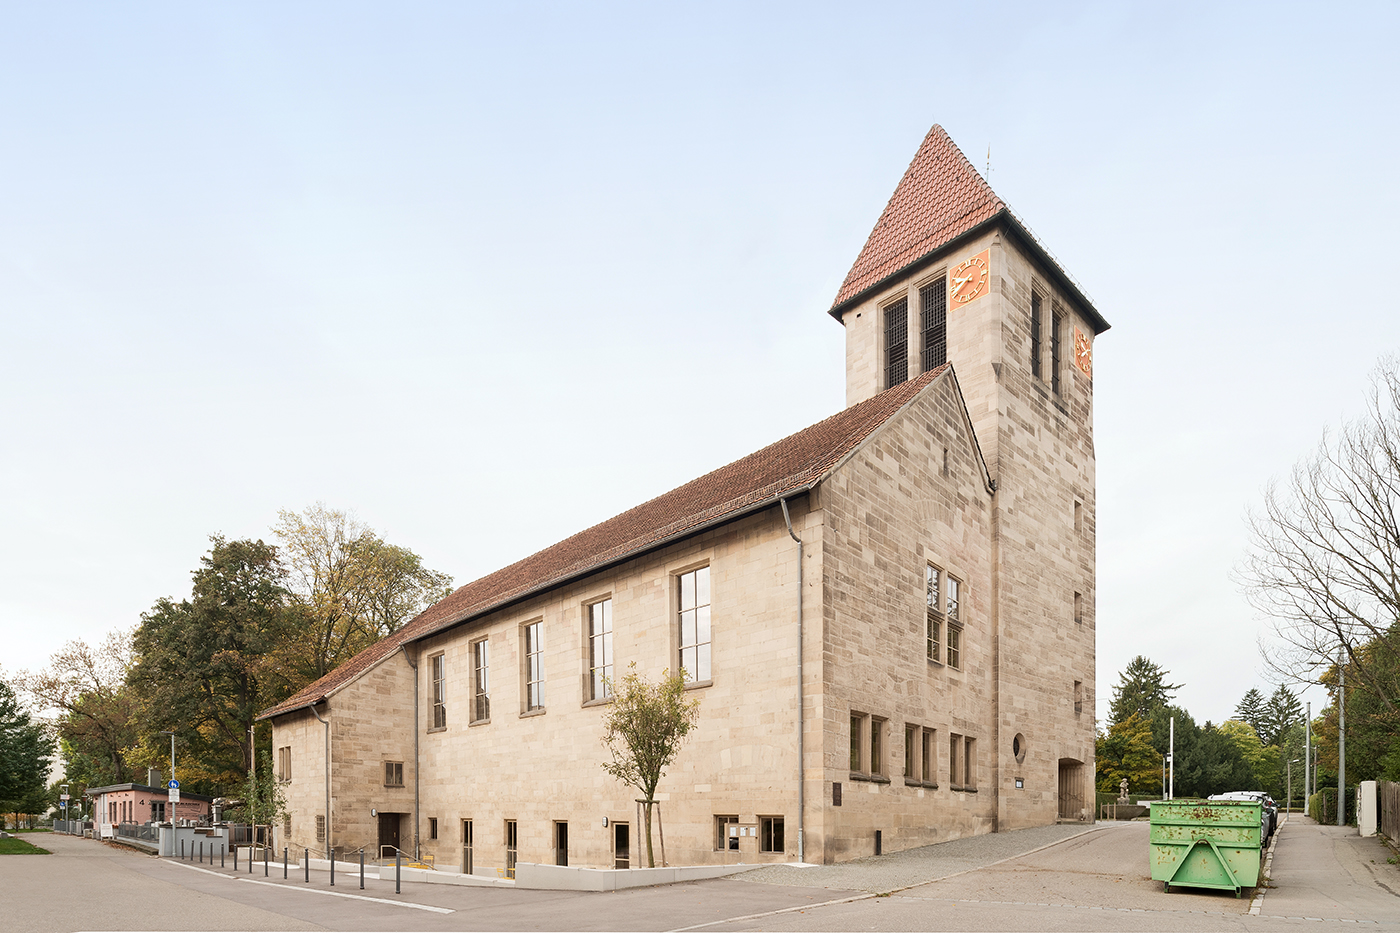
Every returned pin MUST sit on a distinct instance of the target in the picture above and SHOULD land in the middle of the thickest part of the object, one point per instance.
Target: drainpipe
(417, 855)
(327, 724)
(801, 774)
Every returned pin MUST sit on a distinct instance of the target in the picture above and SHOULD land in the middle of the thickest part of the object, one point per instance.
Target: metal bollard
(182, 848)
(223, 848)
(332, 868)
(284, 863)
(306, 863)
(235, 858)
(201, 851)
(362, 869)
(265, 854)
(250, 860)
(398, 871)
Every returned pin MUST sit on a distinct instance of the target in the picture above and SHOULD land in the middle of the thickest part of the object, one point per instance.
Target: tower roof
(940, 197)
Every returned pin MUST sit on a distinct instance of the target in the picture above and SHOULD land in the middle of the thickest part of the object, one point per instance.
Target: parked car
(1268, 820)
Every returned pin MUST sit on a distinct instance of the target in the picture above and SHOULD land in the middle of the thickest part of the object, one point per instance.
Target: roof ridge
(788, 466)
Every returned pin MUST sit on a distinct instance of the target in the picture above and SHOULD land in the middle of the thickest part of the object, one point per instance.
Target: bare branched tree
(1324, 559)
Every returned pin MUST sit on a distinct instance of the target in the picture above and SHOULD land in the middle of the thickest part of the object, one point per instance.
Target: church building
(887, 618)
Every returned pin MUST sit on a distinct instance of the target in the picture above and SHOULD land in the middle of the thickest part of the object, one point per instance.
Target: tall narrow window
(911, 751)
(877, 746)
(897, 343)
(969, 776)
(934, 612)
(857, 721)
(600, 650)
(1079, 696)
(439, 675)
(1078, 609)
(512, 838)
(927, 753)
(467, 847)
(1056, 325)
(481, 680)
(432, 827)
(954, 654)
(534, 667)
(933, 306)
(1035, 335)
(284, 763)
(695, 624)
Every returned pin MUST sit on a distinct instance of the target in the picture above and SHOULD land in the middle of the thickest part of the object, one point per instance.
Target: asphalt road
(1053, 878)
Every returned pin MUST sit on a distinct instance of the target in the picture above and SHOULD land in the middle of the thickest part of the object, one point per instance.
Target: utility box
(1206, 843)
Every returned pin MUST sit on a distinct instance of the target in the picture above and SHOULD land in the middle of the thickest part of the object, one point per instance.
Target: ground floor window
(724, 839)
(511, 839)
(432, 827)
(466, 847)
(770, 834)
(561, 843)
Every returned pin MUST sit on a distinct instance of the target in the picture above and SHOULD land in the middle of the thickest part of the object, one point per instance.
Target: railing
(246, 834)
(387, 853)
(147, 832)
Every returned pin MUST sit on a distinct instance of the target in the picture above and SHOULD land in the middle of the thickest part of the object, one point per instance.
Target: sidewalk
(1331, 873)
(881, 873)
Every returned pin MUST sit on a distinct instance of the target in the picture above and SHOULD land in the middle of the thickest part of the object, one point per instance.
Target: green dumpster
(1206, 843)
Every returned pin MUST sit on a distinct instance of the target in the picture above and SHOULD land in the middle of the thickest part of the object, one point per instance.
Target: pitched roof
(940, 197)
(791, 466)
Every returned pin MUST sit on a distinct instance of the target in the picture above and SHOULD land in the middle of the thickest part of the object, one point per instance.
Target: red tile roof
(940, 197)
(791, 466)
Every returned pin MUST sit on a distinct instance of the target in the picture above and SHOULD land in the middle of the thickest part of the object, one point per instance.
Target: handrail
(427, 861)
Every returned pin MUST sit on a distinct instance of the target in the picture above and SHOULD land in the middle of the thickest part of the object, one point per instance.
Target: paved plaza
(1073, 877)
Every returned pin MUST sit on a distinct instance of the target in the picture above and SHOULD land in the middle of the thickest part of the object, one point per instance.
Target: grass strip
(20, 847)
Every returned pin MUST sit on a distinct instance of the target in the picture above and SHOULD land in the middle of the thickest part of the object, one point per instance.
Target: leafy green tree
(643, 730)
(25, 750)
(1373, 751)
(352, 587)
(85, 687)
(263, 802)
(1126, 751)
(1251, 710)
(206, 666)
(1142, 689)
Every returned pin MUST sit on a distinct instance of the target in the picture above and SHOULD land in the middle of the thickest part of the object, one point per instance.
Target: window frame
(933, 323)
(432, 827)
(468, 855)
(597, 685)
(894, 320)
(702, 651)
(953, 622)
(767, 843)
(1037, 335)
(532, 660)
(722, 838)
(1057, 323)
(481, 681)
(920, 756)
(393, 769)
(934, 617)
(437, 668)
(284, 764)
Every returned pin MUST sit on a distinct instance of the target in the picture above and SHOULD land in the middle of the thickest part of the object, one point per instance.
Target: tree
(25, 750)
(352, 587)
(1142, 689)
(1126, 751)
(86, 688)
(263, 801)
(1281, 713)
(205, 667)
(1324, 557)
(1251, 710)
(643, 730)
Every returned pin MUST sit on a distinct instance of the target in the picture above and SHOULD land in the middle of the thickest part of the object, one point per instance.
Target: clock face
(968, 281)
(1083, 353)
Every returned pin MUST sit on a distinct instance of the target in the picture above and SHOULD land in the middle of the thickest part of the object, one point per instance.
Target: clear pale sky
(488, 274)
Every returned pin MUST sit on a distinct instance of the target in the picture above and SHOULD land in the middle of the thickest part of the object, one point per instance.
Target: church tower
(949, 274)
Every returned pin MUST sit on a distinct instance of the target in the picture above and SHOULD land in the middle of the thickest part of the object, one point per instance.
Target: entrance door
(622, 846)
(388, 834)
(1071, 789)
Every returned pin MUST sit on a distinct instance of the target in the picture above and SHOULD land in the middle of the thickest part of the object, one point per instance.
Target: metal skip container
(1206, 843)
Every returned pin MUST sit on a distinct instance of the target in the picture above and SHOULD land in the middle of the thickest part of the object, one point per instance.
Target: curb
(1264, 873)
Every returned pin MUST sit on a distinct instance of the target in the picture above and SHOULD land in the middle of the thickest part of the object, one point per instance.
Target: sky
(487, 274)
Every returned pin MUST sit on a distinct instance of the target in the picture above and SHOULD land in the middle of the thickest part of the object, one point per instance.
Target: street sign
(174, 794)
(64, 805)
(64, 797)
(173, 785)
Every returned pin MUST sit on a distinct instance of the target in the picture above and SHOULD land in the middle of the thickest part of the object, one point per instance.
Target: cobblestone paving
(880, 873)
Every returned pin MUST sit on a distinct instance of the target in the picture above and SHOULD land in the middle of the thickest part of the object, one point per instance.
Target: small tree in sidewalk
(643, 730)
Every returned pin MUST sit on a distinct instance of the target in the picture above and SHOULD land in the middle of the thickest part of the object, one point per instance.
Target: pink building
(138, 803)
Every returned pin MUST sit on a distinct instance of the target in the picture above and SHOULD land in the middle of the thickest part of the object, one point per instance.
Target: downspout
(327, 724)
(414, 664)
(801, 773)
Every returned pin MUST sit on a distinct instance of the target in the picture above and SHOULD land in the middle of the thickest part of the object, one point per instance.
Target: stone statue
(1123, 791)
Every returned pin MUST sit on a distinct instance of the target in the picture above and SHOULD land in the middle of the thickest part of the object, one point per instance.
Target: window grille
(600, 650)
(897, 343)
(933, 305)
(534, 667)
(467, 847)
(1056, 325)
(1035, 335)
(695, 624)
(481, 662)
(439, 692)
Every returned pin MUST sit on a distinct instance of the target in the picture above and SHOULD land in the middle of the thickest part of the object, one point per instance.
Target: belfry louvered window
(933, 307)
(1035, 335)
(897, 343)
(1056, 325)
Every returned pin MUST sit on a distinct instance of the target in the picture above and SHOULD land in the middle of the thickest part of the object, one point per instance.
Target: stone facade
(918, 724)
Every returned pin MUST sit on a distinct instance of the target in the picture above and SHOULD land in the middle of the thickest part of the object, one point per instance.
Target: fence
(245, 834)
(1388, 800)
(146, 832)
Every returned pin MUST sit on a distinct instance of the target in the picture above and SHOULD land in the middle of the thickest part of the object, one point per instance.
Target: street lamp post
(168, 801)
(1290, 788)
